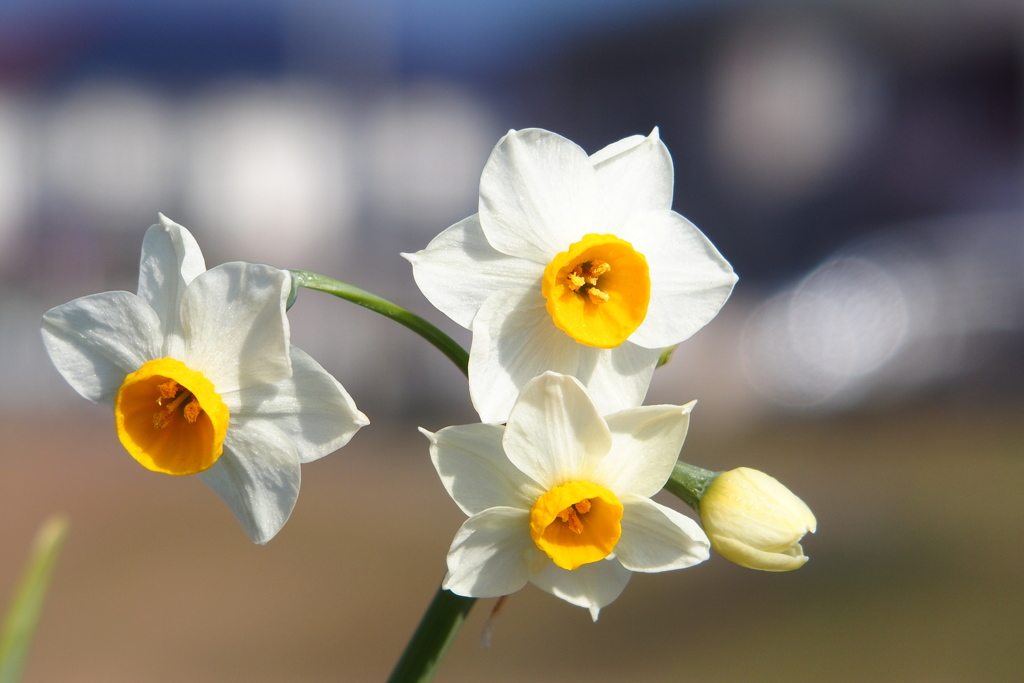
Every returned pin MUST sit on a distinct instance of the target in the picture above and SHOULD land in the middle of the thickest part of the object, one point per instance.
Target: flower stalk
(342, 290)
(689, 482)
(447, 611)
(435, 634)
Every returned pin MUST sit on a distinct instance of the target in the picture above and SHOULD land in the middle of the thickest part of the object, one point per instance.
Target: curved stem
(322, 283)
(428, 646)
(447, 611)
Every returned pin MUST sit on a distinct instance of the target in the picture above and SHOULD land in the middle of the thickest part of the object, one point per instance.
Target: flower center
(170, 418)
(576, 523)
(598, 290)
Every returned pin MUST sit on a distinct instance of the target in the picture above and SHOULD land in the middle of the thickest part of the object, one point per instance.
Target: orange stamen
(599, 268)
(162, 417)
(168, 389)
(192, 410)
(570, 515)
(583, 279)
(576, 279)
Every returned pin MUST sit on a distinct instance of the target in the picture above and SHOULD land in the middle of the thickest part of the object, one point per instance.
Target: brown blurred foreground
(915, 574)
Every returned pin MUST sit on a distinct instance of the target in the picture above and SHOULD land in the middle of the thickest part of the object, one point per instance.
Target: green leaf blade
(27, 602)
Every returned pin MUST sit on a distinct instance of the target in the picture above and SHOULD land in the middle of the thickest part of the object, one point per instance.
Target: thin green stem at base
(322, 283)
(27, 603)
(443, 618)
(433, 637)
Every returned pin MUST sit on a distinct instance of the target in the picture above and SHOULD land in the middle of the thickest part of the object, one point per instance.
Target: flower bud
(755, 521)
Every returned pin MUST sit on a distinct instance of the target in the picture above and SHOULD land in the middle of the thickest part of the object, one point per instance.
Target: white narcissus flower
(202, 377)
(755, 521)
(573, 264)
(560, 497)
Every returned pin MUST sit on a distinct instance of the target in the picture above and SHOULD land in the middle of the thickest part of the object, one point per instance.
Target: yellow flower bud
(755, 521)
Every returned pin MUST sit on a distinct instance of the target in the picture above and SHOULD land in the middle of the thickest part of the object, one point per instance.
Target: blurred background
(859, 162)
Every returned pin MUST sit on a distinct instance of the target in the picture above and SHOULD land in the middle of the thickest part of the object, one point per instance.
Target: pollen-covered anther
(162, 417)
(168, 389)
(597, 269)
(192, 410)
(570, 515)
(585, 276)
(576, 279)
(583, 280)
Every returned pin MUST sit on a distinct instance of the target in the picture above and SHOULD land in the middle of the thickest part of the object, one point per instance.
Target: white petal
(235, 325)
(554, 433)
(538, 195)
(617, 378)
(592, 586)
(310, 407)
(633, 178)
(514, 340)
(645, 447)
(690, 280)
(459, 269)
(475, 470)
(618, 147)
(656, 538)
(97, 340)
(487, 559)
(170, 260)
(257, 476)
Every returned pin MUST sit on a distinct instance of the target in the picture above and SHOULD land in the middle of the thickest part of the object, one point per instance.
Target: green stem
(322, 283)
(443, 618)
(23, 615)
(435, 634)
(689, 483)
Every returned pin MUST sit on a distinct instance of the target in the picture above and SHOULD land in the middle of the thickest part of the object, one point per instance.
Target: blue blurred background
(858, 162)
